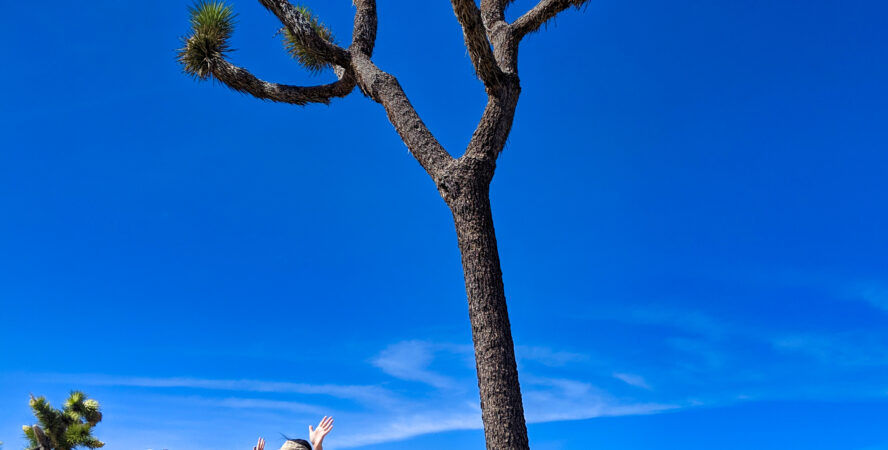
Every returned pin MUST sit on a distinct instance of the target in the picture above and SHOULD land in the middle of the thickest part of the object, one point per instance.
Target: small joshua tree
(66, 429)
(492, 43)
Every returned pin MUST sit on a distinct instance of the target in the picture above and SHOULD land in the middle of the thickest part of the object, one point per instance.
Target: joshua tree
(463, 182)
(66, 429)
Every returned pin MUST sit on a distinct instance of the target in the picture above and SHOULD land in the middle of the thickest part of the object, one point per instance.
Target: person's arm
(316, 435)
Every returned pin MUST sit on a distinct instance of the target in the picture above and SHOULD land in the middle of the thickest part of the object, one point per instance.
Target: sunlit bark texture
(492, 44)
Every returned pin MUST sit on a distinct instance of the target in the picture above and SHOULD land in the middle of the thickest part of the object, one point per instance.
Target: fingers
(326, 425)
(260, 445)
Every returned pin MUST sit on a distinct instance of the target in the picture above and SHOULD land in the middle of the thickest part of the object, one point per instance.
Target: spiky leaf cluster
(302, 53)
(66, 429)
(212, 23)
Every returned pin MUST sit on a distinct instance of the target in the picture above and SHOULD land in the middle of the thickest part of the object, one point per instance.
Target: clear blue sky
(690, 212)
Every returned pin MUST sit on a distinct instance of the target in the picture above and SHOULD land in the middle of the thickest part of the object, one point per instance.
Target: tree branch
(242, 80)
(540, 14)
(493, 14)
(301, 28)
(384, 88)
(493, 11)
(493, 129)
(364, 34)
(477, 43)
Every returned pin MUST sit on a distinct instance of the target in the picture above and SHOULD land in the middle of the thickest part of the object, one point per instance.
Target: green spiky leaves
(64, 429)
(299, 51)
(212, 23)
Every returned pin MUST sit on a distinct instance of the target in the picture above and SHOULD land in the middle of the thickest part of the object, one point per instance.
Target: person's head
(296, 444)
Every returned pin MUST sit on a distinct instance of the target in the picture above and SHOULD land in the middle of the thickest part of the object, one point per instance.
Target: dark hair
(301, 442)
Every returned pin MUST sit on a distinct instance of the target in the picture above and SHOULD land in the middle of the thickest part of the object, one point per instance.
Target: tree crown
(64, 429)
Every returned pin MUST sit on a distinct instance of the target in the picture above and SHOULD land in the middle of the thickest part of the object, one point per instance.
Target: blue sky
(690, 214)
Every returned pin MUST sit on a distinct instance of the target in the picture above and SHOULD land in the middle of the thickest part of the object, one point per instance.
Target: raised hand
(316, 435)
(260, 445)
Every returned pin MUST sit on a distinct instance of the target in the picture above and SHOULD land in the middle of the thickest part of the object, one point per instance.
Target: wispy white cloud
(839, 349)
(255, 403)
(559, 399)
(875, 295)
(362, 393)
(632, 380)
(410, 426)
(566, 387)
(546, 399)
(685, 320)
(596, 409)
(410, 360)
(548, 356)
(197, 402)
(389, 415)
(540, 407)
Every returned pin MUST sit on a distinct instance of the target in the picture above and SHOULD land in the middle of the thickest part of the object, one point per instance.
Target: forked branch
(300, 27)
(493, 11)
(203, 56)
(384, 89)
(204, 51)
(477, 43)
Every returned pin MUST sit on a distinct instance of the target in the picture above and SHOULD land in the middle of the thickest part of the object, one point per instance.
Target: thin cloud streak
(632, 380)
(548, 357)
(413, 426)
(546, 400)
(361, 393)
(839, 350)
(540, 407)
(253, 403)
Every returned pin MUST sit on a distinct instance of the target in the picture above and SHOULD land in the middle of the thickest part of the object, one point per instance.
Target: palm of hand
(316, 435)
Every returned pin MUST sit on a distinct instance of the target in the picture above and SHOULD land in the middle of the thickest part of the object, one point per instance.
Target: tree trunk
(501, 407)
(464, 183)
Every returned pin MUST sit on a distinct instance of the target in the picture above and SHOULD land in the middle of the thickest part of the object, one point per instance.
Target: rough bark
(502, 410)
(242, 80)
(475, 36)
(364, 33)
(384, 89)
(542, 13)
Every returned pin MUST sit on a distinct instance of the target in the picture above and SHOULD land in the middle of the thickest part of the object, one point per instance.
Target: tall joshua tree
(66, 429)
(463, 182)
